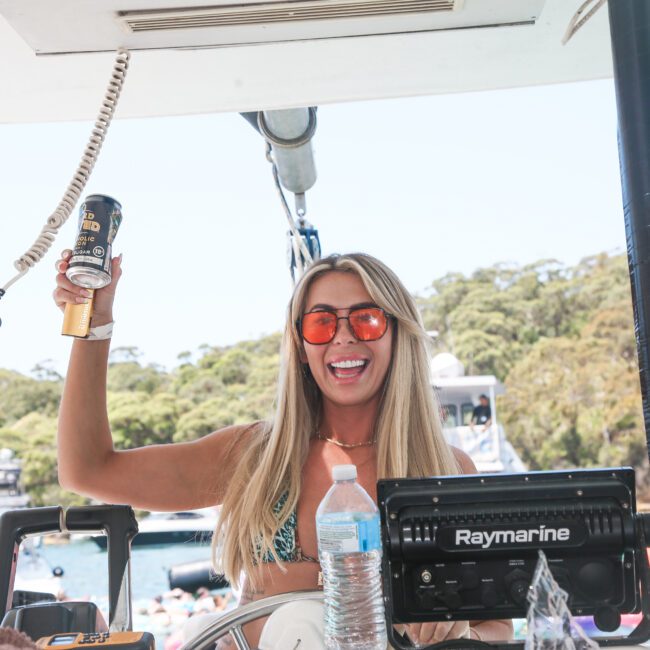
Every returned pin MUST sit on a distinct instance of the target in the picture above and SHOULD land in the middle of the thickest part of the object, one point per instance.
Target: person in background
(482, 414)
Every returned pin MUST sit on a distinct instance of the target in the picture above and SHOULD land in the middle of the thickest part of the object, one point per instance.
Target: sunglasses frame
(389, 317)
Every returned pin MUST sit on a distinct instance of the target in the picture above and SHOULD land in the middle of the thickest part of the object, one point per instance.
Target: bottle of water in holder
(349, 550)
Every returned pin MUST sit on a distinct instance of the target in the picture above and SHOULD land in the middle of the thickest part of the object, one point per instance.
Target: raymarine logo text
(485, 539)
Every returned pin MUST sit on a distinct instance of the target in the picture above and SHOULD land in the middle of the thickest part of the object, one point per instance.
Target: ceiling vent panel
(70, 26)
(278, 12)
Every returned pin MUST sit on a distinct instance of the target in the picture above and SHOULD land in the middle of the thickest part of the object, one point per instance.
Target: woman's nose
(343, 331)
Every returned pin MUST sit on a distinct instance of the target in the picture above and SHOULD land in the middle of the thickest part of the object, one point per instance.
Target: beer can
(99, 219)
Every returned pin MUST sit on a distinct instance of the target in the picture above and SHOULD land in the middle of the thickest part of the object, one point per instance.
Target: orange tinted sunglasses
(366, 323)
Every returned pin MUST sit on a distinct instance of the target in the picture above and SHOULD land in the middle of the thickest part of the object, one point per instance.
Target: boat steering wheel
(232, 622)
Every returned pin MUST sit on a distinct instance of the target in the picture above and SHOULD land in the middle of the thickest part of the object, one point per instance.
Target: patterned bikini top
(286, 542)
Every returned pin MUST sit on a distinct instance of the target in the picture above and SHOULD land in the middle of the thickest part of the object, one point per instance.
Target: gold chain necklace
(346, 445)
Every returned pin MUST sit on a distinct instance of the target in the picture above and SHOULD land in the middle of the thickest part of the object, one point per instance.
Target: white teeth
(348, 364)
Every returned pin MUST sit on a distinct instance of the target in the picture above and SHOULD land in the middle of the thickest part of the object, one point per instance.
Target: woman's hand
(424, 634)
(68, 292)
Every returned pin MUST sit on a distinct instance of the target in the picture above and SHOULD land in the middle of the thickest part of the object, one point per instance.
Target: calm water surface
(85, 567)
(85, 577)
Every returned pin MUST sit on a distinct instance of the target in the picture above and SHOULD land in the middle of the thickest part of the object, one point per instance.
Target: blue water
(85, 567)
(85, 577)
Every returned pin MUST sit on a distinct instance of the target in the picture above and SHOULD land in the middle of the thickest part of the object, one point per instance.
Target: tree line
(562, 341)
(560, 338)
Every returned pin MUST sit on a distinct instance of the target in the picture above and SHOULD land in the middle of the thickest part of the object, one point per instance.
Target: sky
(430, 185)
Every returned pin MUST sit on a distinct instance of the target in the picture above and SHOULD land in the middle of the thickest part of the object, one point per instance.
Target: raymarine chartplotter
(466, 547)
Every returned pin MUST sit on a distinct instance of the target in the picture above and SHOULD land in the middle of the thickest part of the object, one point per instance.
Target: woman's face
(348, 372)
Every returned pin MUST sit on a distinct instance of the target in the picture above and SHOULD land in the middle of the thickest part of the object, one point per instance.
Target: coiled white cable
(71, 196)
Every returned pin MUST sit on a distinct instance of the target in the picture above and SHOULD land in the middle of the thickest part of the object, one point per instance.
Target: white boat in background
(11, 493)
(458, 395)
(172, 528)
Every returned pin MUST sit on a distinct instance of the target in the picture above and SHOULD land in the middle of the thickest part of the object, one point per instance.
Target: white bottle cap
(344, 472)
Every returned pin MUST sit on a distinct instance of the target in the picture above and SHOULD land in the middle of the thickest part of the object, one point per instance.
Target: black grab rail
(117, 522)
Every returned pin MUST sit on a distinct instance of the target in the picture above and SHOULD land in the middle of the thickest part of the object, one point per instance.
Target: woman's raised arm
(159, 477)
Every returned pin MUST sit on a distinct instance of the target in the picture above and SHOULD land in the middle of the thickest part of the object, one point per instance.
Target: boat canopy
(199, 56)
(478, 382)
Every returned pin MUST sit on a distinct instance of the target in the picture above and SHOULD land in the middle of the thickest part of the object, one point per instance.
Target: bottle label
(349, 537)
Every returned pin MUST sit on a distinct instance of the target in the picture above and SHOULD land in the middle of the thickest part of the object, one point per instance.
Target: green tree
(33, 438)
(575, 401)
(20, 395)
(138, 419)
(209, 416)
(131, 376)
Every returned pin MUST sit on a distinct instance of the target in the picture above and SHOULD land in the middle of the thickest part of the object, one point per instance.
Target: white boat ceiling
(55, 57)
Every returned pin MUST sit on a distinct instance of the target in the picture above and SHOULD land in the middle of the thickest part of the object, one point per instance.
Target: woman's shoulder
(464, 462)
(236, 438)
(249, 429)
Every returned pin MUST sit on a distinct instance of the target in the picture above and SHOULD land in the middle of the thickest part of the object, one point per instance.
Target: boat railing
(482, 444)
(487, 447)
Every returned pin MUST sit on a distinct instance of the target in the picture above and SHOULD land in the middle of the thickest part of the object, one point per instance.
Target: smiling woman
(349, 370)
(353, 389)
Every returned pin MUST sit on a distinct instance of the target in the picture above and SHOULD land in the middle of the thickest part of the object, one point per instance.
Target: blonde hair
(409, 435)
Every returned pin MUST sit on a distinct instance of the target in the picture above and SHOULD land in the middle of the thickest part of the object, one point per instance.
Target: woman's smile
(348, 367)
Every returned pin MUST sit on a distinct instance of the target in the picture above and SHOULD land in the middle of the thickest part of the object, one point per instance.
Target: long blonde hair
(409, 435)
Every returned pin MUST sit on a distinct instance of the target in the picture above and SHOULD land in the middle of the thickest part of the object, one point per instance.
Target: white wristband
(101, 332)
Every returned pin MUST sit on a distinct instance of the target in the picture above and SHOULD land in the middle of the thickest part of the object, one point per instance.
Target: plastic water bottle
(349, 549)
